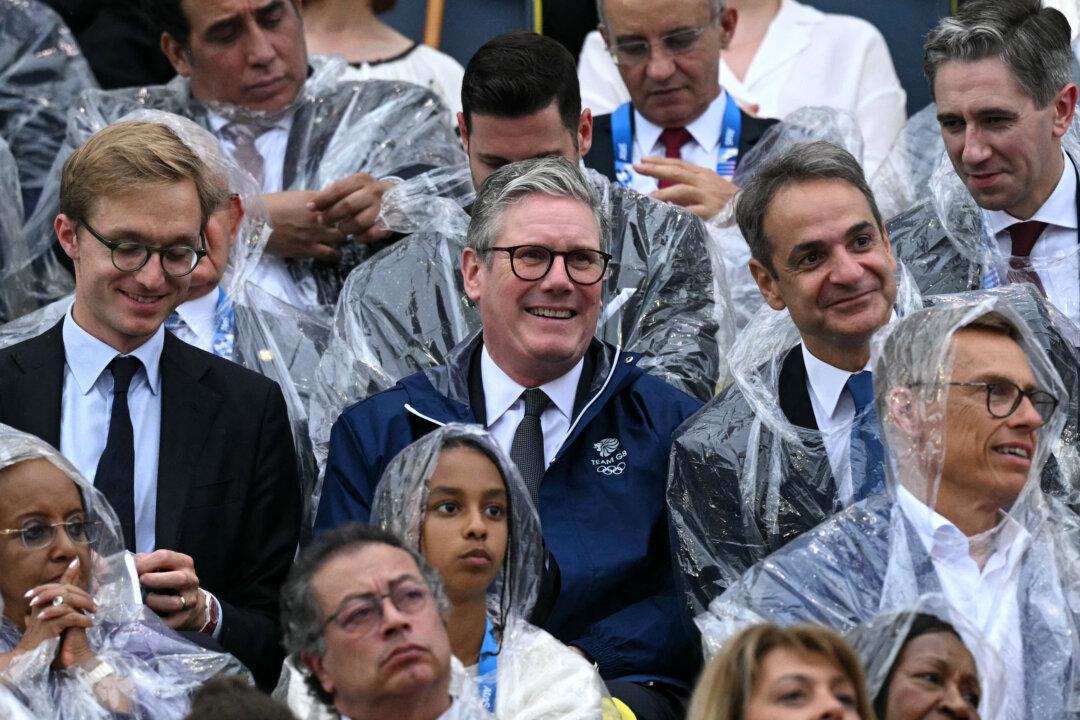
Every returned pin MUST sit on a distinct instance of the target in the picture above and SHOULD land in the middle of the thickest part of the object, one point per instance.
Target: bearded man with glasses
(192, 451)
(589, 430)
(681, 135)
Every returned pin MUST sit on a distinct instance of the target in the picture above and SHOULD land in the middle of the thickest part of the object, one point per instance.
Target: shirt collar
(1058, 210)
(200, 315)
(944, 540)
(826, 382)
(705, 129)
(88, 357)
(218, 121)
(501, 391)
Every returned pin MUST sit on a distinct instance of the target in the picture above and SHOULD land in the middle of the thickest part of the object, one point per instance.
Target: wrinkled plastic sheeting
(869, 558)
(880, 643)
(41, 72)
(402, 311)
(727, 244)
(162, 668)
(292, 690)
(745, 480)
(903, 178)
(400, 505)
(433, 199)
(11, 215)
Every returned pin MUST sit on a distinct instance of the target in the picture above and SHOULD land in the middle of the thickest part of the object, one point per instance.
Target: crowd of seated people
(358, 385)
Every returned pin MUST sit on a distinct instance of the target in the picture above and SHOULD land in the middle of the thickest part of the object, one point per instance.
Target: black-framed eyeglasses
(36, 534)
(129, 256)
(361, 615)
(676, 42)
(1003, 397)
(533, 262)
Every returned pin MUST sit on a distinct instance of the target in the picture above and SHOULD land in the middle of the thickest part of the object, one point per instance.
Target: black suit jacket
(601, 156)
(227, 492)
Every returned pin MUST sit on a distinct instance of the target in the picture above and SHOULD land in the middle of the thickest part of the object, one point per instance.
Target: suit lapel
(33, 400)
(188, 409)
(794, 397)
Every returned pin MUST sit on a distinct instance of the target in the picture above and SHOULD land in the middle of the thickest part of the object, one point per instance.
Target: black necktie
(115, 477)
(527, 450)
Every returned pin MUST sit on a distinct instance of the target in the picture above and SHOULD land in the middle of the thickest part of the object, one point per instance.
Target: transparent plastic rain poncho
(538, 677)
(41, 72)
(162, 668)
(870, 558)
(405, 309)
(903, 178)
(945, 241)
(727, 243)
(880, 643)
(338, 128)
(744, 479)
(11, 215)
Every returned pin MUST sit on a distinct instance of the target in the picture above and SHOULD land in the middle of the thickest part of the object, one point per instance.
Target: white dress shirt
(505, 407)
(701, 150)
(272, 273)
(986, 598)
(834, 411)
(86, 410)
(1056, 255)
(199, 320)
(807, 58)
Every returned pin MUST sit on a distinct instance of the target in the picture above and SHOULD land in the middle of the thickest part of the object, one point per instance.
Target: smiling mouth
(552, 313)
(1014, 452)
(142, 299)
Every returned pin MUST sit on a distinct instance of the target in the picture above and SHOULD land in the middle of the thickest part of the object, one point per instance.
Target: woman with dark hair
(919, 666)
(376, 51)
(458, 499)
(75, 638)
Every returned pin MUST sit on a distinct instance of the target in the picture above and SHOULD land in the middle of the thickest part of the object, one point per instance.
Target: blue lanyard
(622, 137)
(488, 666)
(225, 332)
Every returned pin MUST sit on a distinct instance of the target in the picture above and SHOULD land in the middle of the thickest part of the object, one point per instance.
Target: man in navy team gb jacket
(590, 431)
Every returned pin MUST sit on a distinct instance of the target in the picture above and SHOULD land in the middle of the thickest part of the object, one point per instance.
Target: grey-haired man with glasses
(192, 451)
(681, 136)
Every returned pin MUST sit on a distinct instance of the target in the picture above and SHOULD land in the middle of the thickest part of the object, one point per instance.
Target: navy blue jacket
(602, 503)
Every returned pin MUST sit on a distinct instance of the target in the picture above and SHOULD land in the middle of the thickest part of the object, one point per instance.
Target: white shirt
(807, 58)
(505, 407)
(1056, 255)
(834, 411)
(86, 410)
(272, 273)
(986, 598)
(199, 320)
(701, 150)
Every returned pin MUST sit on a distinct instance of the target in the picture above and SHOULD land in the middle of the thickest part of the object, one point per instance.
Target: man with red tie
(681, 136)
(1001, 75)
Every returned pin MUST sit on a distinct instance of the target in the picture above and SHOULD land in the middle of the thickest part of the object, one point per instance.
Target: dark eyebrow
(495, 492)
(222, 26)
(392, 584)
(860, 227)
(445, 490)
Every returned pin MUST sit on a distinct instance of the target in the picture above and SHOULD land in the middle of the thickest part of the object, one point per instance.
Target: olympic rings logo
(611, 469)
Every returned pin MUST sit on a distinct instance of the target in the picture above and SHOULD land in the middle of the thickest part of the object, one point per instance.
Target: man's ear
(65, 232)
(902, 411)
(584, 133)
(177, 55)
(767, 285)
(464, 131)
(603, 34)
(314, 663)
(1064, 109)
(471, 269)
(729, 18)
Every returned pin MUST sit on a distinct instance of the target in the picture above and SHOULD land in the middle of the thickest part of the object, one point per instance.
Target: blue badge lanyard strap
(488, 666)
(622, 136)
(225, 329)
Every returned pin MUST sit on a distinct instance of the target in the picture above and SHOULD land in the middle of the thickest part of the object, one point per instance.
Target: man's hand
(352, 206)
(174, 588)
(298, 231)
(699, 190)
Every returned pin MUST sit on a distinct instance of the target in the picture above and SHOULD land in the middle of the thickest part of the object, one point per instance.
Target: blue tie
(115, 475)
(867, 453)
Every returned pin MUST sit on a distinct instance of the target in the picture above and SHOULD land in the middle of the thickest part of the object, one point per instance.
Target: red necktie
(1024, 235)
(673, 139)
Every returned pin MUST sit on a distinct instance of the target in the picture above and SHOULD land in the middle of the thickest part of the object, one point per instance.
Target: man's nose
(975, 150)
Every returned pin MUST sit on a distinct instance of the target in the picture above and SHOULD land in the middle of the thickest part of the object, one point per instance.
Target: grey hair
(551, 176)
(804, 162)
(301, 618)
(717, 7)
(1032, 41)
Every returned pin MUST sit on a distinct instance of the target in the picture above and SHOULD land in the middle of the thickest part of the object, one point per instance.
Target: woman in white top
(785, 56)
(374, 50)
